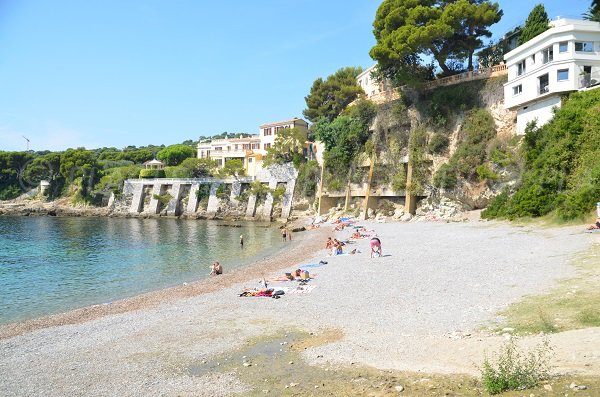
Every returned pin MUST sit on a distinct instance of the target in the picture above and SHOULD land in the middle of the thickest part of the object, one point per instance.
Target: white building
(563, 59)
(375, 90)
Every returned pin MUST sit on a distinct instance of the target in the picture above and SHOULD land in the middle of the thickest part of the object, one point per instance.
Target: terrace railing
(484, 73)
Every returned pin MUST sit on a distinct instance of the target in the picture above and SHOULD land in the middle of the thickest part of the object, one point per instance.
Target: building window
(267, 131)
(533, 59)
(521, 68)
(544, 82)
(517, 89)
(547, 55)
(250, 160)
(267, 146)
(563, 46)
(562, 74)
(584, 46)
(218, 149)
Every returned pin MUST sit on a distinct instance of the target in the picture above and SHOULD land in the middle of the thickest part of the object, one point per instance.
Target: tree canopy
(288, 145)
(449, 31)
(328, 98)
(175, 154)
(537, 22)
(593, 14)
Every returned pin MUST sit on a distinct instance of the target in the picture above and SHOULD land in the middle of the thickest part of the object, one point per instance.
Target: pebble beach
(426, 305)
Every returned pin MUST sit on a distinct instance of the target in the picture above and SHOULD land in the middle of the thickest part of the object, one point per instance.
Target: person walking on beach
(329, 246)
(284, 234)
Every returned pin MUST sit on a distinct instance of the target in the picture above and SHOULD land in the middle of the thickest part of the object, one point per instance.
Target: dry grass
(573, 304)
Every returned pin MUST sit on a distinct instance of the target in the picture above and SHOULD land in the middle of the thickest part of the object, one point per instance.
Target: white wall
(539, 111)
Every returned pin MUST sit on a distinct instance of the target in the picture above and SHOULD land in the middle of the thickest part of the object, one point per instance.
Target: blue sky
(135, 72)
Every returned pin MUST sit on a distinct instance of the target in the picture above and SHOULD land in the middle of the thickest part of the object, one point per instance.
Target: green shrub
(150, 173)
(399, 181)
(438, 143)
(445, 177)
(308, 175)
(485, 173)
(515, 370)
(562, 163)
(163, 199)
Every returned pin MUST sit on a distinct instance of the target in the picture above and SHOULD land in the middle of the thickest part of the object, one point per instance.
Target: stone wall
(143, 196)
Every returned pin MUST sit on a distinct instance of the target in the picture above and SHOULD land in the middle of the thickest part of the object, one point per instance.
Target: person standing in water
(284, 234)
(242, 240)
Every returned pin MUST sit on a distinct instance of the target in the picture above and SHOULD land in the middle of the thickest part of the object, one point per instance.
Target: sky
(114, 73)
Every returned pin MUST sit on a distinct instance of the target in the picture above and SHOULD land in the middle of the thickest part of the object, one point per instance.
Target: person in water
(242, 240)
(216, 269)
(284, 234)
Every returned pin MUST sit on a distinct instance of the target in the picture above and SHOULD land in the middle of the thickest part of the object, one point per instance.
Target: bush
(445, 177)
(438, 143)
(399, 181)
(150, 173)
(485, 173)
(308, 175)
(562, 163)
(514, 370)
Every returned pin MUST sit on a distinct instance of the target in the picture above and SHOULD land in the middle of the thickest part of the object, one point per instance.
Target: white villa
(563, 59)
(376, 91)
(251, 150)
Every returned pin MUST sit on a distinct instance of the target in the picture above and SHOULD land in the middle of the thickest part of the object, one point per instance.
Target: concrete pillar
(156, 191)
(268, 207)
(236, 190)
(213, 201)
(251, 206)
(287, 199)
(111, 200)
(137, 201)
(193, 200)
(173, 206)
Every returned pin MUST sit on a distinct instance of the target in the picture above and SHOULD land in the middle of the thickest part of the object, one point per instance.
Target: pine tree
(593, 14)
(537, 22)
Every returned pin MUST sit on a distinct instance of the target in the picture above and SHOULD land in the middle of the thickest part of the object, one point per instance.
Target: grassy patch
(573, 304)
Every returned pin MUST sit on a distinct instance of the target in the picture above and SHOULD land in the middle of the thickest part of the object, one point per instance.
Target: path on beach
(421, 307)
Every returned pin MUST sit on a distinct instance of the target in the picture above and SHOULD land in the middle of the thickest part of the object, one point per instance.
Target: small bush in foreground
(516, 370)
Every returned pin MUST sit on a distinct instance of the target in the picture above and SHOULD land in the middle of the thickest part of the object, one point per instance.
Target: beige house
(251, 150)
(268, 132)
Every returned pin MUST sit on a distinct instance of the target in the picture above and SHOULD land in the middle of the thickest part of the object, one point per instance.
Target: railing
(587, 80)
(484, 73)
(544, 89)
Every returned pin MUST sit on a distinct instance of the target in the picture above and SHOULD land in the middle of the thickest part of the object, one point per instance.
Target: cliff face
(461, 143)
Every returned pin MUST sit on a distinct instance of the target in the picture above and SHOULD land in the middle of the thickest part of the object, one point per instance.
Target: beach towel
(593, 231)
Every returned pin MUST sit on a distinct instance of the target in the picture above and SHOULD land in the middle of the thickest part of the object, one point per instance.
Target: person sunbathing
(329, 246)
(356, 235)
(595, 226)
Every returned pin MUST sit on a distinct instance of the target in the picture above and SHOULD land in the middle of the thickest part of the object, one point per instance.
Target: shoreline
(304, 242)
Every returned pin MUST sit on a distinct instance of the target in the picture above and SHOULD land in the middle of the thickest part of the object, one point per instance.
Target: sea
(50, 265)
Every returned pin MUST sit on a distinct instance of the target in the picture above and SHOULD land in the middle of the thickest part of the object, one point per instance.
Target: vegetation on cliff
(562, 164)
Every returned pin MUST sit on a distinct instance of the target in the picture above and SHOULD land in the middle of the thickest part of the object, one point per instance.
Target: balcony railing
(589, 79)
(544, 89)
(483, 73)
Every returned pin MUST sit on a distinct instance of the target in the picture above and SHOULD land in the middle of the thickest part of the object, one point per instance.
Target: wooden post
(410, 200)
(368, 189)
(321, 189)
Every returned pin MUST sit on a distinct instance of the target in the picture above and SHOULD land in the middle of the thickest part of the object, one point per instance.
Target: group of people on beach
(595, 226)
(336, 247)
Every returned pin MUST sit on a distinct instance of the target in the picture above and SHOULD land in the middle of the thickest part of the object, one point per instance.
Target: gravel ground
(400, 311)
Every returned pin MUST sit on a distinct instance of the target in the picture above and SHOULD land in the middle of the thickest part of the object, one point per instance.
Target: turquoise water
(50, 265)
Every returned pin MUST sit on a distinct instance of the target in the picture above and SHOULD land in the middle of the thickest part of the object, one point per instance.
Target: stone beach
(427, 305)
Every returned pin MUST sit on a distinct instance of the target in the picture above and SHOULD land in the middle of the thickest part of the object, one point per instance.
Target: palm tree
(593, 14)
